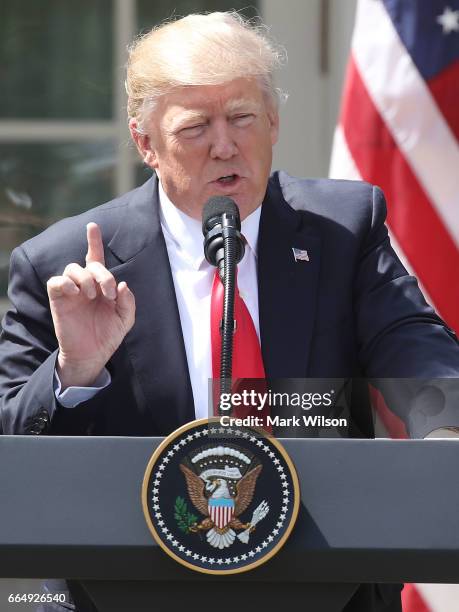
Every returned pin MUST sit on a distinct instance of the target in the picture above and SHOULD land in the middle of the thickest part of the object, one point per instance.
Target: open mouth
(228, 179)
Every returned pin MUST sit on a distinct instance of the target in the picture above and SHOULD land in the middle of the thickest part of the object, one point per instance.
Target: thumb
(125, 305)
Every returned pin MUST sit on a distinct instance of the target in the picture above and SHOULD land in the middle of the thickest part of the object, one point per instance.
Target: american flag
(300, 255)
(399, 127)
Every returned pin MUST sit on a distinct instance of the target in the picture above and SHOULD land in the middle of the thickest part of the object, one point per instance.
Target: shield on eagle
(221, 511)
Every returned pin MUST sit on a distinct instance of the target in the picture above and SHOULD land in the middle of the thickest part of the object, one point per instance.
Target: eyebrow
(242, 105)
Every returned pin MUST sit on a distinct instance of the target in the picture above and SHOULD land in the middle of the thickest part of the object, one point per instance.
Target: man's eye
(192, 130)
(243, 120)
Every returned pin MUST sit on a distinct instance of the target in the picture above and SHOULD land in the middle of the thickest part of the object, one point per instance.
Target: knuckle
(54, 281)
(87, 280)
(110, 279)
(110, 283)
(90, 275)
(92, 266)
(54, 285)
(71, 268)
(96, 268)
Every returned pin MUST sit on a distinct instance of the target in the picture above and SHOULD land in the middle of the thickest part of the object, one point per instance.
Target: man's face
(212, 140)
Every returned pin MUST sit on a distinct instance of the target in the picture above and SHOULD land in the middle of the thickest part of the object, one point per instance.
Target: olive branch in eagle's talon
(186, 521)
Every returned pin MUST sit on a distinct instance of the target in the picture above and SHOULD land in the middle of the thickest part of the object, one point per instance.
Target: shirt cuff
(72, 396)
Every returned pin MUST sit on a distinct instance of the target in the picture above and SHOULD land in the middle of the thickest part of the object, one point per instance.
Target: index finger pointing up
(95, 245)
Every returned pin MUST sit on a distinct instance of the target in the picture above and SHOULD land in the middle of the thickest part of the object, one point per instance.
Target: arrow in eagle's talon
(258, 514)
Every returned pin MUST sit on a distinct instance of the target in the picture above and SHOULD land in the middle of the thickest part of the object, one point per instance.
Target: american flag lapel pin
(300, 255)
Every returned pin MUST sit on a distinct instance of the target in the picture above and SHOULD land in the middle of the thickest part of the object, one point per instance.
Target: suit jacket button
(44, 414)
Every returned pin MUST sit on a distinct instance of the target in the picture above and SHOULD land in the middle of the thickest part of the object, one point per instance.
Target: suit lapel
(287, 300)
(155, 343)
(287, 289)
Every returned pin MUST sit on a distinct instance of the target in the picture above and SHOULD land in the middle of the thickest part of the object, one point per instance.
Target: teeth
(226, 179)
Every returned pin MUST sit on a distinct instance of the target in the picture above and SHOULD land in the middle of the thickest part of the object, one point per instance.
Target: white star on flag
(449, 20)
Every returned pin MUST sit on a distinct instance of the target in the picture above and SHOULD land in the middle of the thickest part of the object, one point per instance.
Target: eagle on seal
(212, 497)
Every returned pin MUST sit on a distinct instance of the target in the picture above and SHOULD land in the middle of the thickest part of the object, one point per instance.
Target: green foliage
(185, 520)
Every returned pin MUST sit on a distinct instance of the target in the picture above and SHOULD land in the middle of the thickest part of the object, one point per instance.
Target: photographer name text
(277, 421)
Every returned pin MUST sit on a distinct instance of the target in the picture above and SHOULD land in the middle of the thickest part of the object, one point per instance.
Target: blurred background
(64, 143)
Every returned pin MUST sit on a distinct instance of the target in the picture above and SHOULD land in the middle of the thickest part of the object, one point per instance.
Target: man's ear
(143, 143)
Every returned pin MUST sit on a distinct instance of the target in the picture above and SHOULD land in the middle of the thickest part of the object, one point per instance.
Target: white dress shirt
(193, 277)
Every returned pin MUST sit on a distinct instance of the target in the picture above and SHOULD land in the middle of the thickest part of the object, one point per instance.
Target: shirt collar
(186, 232)
(249, 229)
(183, 230)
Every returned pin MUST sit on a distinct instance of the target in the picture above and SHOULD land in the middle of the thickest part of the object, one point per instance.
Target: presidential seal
(220, 500)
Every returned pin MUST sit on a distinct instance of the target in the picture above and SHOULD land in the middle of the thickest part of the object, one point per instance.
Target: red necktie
(247, 359)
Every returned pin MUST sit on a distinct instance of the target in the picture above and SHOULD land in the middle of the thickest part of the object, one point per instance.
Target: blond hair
(200, 49)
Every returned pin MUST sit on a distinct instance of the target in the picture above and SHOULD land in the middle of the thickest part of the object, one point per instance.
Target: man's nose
(223, 145)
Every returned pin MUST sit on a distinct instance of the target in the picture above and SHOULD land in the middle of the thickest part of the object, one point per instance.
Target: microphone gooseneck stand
(228, 322)
(224, 248)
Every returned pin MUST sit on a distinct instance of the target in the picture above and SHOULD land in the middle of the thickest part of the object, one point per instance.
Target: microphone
(220, 221)
(224, 248)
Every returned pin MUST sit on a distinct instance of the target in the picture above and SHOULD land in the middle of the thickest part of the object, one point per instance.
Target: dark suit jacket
(352, 310)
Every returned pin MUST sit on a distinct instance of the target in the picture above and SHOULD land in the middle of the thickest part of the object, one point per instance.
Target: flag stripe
(393, 424)
(413, 601)
(404, 101)
(445, 90)
(439, 597)
(342, 163)
(220, 514)
(414, 222)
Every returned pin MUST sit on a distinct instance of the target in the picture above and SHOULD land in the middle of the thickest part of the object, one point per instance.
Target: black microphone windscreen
(217, 206)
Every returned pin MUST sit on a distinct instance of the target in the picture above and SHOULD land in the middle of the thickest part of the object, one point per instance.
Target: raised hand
(91, 315)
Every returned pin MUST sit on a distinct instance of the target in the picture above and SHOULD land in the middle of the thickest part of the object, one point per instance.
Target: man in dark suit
(109, 309)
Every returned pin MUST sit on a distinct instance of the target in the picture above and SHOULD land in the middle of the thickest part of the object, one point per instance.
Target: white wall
(309, 116)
